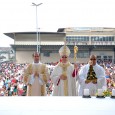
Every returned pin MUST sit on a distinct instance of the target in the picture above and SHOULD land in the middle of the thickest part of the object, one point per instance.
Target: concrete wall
(26, 57)
(45, 39)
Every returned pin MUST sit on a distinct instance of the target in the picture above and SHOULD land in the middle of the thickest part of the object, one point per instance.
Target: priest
(36, 76)
(64, 75)
(92, 77)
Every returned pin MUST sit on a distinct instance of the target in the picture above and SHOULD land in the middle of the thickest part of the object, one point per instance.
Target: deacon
(36, 76)
(64, 75)
(92, 77)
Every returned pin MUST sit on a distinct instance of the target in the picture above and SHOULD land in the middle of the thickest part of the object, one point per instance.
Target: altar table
(51, 105)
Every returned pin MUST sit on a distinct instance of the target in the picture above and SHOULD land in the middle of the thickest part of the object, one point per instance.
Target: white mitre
(64, 50)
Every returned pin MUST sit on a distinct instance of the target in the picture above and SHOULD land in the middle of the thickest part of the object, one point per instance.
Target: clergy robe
(100, 75)
(59, 83)
(36, 85)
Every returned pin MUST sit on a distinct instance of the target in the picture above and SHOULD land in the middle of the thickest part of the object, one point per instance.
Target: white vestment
(101, 80)
(59, 89)
(36, 82)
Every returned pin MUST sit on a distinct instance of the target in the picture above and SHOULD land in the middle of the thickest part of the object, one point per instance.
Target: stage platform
(50, 105)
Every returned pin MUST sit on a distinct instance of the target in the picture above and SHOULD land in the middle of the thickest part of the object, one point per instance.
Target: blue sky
(20, 15)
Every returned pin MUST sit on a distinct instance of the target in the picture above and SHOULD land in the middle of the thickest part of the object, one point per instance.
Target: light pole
(36, 5)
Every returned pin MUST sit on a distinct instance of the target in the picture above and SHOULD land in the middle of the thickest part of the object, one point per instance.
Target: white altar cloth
(56, 106)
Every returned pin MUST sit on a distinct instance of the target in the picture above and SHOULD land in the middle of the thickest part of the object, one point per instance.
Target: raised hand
(36, 74)
(75, 66)
(87, 81)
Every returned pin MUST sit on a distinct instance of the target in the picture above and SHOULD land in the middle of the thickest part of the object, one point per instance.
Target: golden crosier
(75, 52)
(75, 49)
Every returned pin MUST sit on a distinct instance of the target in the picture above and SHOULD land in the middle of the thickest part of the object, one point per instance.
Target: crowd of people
(11, 79)
(60, 80)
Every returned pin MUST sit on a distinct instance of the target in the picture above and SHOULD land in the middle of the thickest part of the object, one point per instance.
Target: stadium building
(89, 40)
